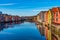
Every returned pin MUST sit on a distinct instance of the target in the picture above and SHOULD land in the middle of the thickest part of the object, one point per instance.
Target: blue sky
(27, 7)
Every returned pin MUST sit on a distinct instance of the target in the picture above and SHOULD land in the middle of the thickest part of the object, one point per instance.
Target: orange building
(46, 18)
(56, 15)
(46, 22)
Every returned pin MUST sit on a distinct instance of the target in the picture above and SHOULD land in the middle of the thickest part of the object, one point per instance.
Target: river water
(22, 31)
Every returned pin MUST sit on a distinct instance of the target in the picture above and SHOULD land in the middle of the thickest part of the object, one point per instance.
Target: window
(43, 17)
(56, 14)
(56, 19)
(52, 16)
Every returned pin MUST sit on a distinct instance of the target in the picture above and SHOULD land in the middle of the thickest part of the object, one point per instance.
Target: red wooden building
(56, 15)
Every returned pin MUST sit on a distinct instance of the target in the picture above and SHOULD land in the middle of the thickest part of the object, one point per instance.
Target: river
(22, 31)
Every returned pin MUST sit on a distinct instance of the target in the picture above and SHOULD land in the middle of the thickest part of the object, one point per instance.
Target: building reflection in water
(7, 25)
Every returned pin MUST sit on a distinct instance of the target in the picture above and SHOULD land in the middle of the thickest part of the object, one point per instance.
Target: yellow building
(49, 24)
(38, 17)
(49, 16)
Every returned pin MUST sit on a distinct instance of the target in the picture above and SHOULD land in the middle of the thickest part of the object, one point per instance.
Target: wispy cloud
(7, 4)
(43, 8)
(38, 10)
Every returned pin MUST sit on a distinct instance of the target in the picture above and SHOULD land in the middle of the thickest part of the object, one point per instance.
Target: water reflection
(7, 25)
(20, 31)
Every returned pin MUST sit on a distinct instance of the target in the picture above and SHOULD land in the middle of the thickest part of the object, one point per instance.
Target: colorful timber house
(4, 18)
(50, 23)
